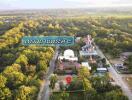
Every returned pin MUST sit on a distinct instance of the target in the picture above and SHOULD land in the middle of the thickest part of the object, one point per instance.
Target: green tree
(8, 58)
(5, 94)
(10, 69)
(116, 52)
(2, 81)
(26, 93)
(53, 80)
(14, 76)
(128, 62)
(22, 60)
(30, 70)
(93, 34)
(1, 23)
(115, 25)
(115, 95)
(41, 75)
(101, 84)
(83, 72)
(15, 79)
(103, 61)
(64, 95)
(42, 66)
(33, 57)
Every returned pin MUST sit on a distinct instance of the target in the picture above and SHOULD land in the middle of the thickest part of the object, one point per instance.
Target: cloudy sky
(42, 4)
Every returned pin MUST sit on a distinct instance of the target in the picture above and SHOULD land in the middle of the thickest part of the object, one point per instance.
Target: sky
(46, 4)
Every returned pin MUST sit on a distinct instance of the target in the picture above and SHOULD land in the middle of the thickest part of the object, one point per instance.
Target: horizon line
(90, 7)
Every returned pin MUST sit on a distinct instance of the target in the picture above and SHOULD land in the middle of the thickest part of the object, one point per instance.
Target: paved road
(44, 91)
(117, 77)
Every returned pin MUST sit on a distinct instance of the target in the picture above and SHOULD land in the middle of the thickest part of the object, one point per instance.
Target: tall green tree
(53, 80)
(5, 93)
(22, 60)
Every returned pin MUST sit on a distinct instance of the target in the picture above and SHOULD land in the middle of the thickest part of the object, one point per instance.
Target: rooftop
(86, 64)
(69, 53)
(88, 53)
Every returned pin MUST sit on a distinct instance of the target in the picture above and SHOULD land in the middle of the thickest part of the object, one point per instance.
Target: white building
(88, 53)
(68, 55)
(102, 70)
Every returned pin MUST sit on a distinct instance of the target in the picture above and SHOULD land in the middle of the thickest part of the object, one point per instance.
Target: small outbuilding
(86, 64)
(102, 70)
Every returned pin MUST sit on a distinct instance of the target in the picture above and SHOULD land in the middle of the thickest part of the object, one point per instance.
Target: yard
(115, 61)
(128, 80)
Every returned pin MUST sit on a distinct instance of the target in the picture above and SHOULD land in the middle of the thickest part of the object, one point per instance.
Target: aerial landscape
(96, 64)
